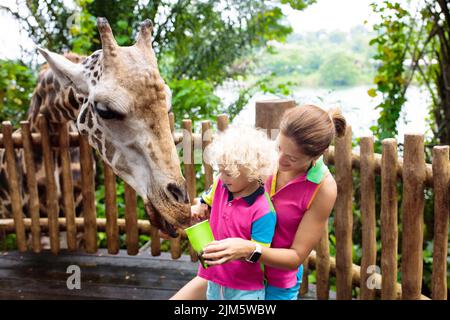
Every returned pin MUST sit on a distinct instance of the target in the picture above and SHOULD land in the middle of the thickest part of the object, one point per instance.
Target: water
(356, 105)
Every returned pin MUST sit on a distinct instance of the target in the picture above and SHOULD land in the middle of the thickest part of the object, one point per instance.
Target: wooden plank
(175, 243)
(222, 122)
(67, 187)
(304, 286)
(52, 196)
(112, 228)
(36, 139)
(356, 163)
(156, 241)
(132, 234)
(175, 247)
(269, 113)
(368, 217)
(206, 140)
(412, 214)
(103, 276)
(323, 266)
(189, 169)
(389, 220)
(33, 203)
(13, 184)
(356, 274)
(89, 291)
(7, 225)
(343, 216)
(88, 192)
(441, 211)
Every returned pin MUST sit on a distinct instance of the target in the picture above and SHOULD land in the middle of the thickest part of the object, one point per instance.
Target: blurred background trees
(199, 44)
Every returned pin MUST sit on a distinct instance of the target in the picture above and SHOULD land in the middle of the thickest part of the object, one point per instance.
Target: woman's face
(290, 158)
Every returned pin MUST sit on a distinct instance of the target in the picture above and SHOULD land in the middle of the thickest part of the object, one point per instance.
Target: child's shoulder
(263, 206)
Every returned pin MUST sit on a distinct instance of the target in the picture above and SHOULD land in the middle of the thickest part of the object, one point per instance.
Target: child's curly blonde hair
(242, 147)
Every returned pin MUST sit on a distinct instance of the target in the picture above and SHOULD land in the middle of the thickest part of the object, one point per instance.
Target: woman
(303, 193)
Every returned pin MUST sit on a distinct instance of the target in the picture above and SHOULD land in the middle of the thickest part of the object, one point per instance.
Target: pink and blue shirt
(252, 218)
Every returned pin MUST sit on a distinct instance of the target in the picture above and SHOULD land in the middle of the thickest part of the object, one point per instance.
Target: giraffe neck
(57, 103)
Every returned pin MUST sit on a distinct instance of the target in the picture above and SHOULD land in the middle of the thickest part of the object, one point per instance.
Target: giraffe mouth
(158, 221)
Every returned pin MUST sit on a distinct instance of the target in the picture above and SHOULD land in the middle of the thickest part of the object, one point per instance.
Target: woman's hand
(222, 251)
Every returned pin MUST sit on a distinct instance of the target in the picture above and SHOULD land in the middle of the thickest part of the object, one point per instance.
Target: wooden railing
(411, 169)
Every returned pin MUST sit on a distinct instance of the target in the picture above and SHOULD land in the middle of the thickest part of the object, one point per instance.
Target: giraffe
(122, 109)
(55, 104)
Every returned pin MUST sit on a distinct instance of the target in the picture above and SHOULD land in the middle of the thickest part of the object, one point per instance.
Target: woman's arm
(193, 290)
(307, 236)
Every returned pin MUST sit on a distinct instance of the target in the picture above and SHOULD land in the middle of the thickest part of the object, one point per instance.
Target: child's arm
(202, 207)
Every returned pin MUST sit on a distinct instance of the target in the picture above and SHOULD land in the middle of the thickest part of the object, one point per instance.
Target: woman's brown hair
(312, 128)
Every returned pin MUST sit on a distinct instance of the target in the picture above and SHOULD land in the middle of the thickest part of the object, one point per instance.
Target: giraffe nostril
(180, 194)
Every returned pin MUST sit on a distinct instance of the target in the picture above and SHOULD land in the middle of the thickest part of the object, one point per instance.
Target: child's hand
(199, 212)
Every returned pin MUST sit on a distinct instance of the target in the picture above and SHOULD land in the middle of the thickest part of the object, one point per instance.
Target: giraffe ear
(144, 38)
(67, 72)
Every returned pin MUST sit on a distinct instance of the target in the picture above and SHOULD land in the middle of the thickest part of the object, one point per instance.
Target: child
(239, 207)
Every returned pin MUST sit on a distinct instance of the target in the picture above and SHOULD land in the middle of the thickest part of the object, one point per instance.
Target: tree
(200, 41)
(338, 70)
(16, 83)
(413, 46)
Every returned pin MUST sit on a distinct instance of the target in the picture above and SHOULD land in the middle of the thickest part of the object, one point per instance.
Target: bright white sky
(325, 14)
(331, 15)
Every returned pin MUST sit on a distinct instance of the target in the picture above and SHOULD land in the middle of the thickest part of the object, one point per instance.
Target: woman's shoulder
(327, 192)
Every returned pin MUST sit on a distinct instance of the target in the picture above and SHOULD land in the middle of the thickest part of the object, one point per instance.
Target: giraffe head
(125, 117)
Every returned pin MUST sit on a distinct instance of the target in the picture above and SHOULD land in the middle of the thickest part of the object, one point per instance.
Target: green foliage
(392, 43)
(412, 45)
(338, 70)
(319, 58)
(194, 99)
(16, 85)
(266, 84)
(82, 29)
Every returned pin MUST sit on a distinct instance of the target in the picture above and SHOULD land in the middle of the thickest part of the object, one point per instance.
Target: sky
(324, 15)
(331, 15)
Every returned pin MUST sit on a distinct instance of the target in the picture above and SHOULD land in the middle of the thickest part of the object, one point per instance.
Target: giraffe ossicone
(124, 115)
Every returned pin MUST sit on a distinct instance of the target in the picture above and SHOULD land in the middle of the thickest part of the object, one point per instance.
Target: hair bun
(338, 120)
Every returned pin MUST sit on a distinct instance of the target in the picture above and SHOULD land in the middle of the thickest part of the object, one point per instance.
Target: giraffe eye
(105, 113)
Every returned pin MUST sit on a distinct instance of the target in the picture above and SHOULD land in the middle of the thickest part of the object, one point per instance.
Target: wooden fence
(412, 169)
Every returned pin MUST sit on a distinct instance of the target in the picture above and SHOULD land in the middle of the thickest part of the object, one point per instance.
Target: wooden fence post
(175, 243)
(304, 286)
(206, 140)
(13, 184)
(112, 229)
(269, 113)
(33, 203)
(368, 217)
(441, 212)
(67, 187)
(132, 233)
(412, 213)
(88, 192)
(52, 196)
(344, 216)
(189, 169)
(323, 266)
(389, 219)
